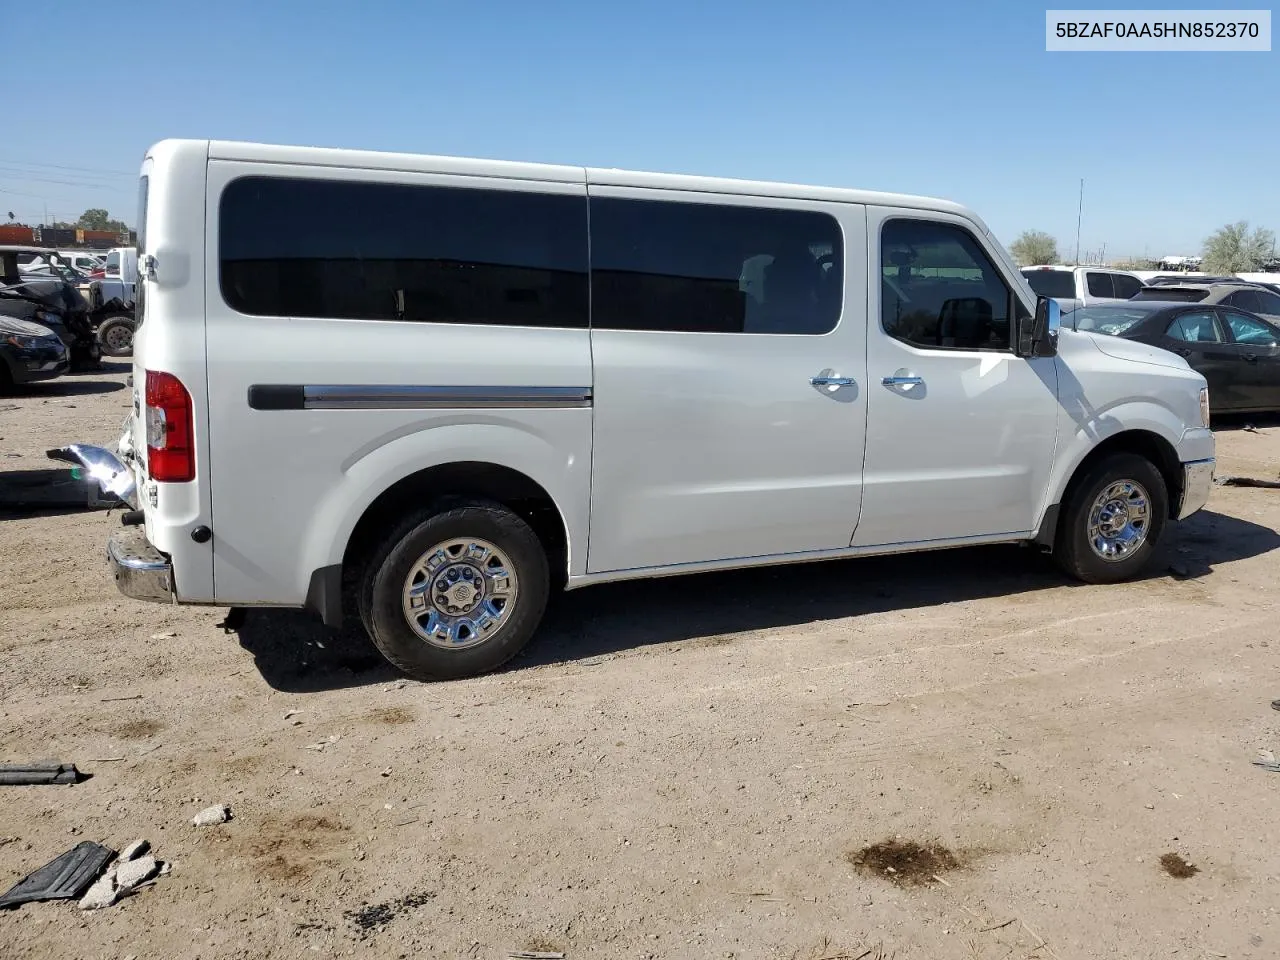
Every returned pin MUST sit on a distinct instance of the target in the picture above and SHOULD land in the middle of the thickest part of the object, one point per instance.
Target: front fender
(1081, 433)
(549, 456)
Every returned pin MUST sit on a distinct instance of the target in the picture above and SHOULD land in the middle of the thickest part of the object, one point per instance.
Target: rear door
(1258, 345)
(961, 432)
(729, 339)
(1197, 335)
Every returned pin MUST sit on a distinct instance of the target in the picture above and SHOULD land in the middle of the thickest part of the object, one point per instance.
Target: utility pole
(1079, 216)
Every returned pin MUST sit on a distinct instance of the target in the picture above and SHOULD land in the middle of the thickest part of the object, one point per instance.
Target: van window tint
(1099, 284)
(382, 251)
(938, 289)
(714, 268)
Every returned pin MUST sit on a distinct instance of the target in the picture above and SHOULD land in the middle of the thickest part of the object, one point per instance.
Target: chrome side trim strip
(413, 397)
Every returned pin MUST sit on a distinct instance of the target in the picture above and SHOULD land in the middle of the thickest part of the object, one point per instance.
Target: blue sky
(926, 97)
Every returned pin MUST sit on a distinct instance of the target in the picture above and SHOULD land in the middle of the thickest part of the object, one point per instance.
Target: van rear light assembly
(171, 451)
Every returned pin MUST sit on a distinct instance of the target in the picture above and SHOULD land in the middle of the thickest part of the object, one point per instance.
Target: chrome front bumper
(1197, 482)
(140, 570)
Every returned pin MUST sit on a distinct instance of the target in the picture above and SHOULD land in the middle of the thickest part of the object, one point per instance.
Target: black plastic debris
(45, 772)
(1247, 482)
(64, 878)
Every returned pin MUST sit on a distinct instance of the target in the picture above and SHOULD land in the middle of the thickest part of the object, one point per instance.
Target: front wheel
(1113, 520)
(455, 592)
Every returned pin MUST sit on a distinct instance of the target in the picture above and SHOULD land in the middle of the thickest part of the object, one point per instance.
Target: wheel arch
(1145, 443)
(516, 491)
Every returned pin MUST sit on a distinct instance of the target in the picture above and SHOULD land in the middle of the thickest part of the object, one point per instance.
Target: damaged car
(29, 352)
(51, 301)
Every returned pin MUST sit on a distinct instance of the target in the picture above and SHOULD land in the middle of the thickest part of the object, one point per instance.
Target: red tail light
(171, 448)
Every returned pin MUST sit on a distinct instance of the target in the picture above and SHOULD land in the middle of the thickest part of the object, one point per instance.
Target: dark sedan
(1237, 352)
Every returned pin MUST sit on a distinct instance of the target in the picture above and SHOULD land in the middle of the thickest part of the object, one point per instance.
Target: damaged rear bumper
(139, 569)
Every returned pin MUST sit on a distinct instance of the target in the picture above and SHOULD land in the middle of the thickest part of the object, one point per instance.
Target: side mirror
(1038, 335)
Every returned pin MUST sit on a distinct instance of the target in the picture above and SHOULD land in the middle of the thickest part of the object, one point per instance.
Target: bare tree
(1236, 249)
(1034, 246)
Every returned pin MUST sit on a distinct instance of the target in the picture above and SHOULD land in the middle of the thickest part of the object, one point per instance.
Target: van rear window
(1059, 284)
(292, 247)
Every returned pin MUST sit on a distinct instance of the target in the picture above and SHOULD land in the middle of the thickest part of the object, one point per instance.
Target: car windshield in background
(1112, 320)
(1181, 294)
(1059, 284)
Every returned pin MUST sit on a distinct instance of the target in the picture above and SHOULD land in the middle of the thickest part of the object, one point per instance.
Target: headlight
(26, 343)
(1204, 406)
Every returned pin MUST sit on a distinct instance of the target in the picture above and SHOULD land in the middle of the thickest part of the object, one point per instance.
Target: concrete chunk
(129, 875)
(212, 816)
(102, 894)
(134, 850)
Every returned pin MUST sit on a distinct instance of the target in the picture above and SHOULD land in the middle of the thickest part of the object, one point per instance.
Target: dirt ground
(714, 766)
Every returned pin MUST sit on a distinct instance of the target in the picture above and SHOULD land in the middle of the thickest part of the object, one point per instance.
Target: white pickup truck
(1076, 287)
(449, 423)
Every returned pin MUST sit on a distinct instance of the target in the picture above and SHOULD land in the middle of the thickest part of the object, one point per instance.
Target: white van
(446, 387)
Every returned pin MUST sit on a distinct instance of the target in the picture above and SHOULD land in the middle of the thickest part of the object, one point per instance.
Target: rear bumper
(140, 570)
(1197, 482)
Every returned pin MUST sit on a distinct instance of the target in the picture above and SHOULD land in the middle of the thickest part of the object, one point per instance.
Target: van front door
(729, 352)
(961, 433)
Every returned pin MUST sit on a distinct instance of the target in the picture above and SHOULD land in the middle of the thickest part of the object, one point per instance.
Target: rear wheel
(1113, 520)
(455, 592)
(115, 334)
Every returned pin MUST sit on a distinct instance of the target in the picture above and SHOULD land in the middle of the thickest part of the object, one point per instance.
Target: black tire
(1072, 549)
(115, 334)
(380, 591)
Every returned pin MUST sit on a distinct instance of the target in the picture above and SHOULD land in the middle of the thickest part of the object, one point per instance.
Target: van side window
(292, 247)
(714, 268)
(938, 288)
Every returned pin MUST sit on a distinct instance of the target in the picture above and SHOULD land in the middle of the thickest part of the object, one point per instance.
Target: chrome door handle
(833, 381)
(902, 381)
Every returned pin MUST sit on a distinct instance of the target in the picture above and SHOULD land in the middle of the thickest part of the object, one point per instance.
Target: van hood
(1123, 349)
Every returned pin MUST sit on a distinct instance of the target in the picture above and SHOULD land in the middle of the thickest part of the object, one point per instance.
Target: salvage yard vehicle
(439, 389)
(29, 352)
(51, 300)
(1227, 292)
(1080, 286)
(1238, 353)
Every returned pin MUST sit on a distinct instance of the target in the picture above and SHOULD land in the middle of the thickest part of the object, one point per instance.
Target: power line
(55, 166)
(91, 179)
(67, 183)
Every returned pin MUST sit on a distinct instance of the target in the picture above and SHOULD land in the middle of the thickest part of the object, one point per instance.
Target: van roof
(421, 163)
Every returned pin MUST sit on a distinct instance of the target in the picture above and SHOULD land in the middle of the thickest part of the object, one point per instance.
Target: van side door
(960, 431)
(729, 346)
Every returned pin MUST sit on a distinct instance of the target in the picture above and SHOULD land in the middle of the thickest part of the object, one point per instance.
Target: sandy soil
(690, 768)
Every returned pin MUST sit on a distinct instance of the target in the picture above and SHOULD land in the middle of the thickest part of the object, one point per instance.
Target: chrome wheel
(460, 593)
(1119, 520)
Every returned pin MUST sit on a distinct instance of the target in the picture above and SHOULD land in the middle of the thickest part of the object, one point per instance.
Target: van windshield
(1059, 284)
